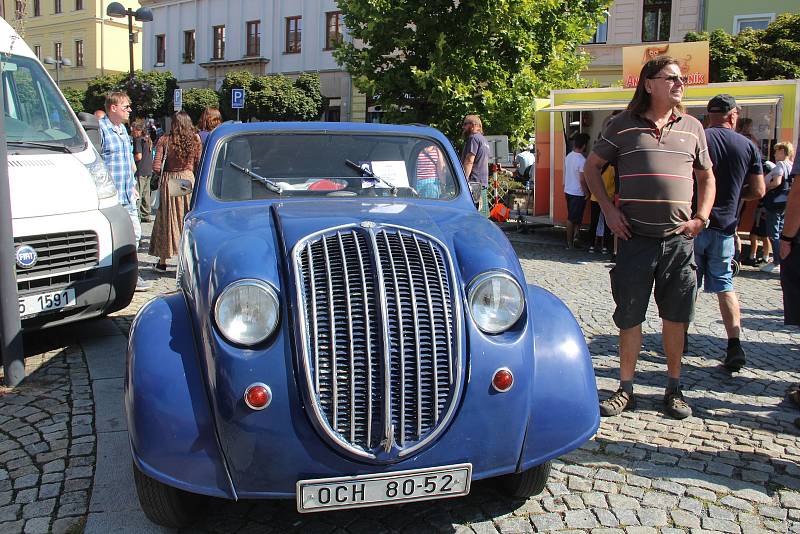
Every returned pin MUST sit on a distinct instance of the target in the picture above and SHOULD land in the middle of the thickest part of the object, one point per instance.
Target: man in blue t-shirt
(475, 156)
(739, 175)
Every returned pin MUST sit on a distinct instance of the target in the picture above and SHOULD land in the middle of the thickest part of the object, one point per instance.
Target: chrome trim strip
(331, 314)
(415, 315)
(349, 339)
(446, 311)
(388, 431)
(368, 333)
(315, 325)
(402, 340)
(433, 337)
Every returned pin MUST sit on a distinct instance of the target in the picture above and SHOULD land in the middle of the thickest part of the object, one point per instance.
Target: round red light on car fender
(257, 396)
(503, 379)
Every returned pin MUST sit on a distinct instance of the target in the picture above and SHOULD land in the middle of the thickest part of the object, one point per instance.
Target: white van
(74, 244)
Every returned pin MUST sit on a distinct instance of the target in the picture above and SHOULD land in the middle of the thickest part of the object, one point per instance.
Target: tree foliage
(434, 61)
(75, 97)
(150, 92)
(197, 100)
(769, 54)
(273, 98)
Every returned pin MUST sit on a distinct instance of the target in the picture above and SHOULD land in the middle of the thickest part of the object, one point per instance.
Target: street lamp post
(58, 62)
(143, 14)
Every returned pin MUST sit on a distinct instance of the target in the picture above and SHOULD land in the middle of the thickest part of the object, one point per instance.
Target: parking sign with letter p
(237, 98)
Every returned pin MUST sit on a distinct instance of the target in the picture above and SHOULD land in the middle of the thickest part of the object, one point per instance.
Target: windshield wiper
(369, 174)
(46, 146)
(266, 182)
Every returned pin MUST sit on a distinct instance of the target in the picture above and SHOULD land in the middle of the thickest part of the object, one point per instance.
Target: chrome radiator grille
(380, 336)
(59, 253)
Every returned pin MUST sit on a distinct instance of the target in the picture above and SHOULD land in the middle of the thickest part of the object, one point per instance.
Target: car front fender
(171, 429)
(564, 410)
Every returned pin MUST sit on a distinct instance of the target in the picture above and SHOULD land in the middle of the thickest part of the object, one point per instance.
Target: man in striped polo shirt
(656, 149)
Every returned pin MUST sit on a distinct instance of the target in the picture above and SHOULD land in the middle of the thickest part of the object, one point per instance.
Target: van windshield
(35, 111)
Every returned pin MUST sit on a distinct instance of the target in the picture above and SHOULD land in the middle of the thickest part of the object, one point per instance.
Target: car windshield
(271, 165)
(36, 115)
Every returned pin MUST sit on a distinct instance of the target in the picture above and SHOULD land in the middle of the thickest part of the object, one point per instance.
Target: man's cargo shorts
(644, 261)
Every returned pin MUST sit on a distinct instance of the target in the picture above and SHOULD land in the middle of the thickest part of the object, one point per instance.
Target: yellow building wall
(105, 39)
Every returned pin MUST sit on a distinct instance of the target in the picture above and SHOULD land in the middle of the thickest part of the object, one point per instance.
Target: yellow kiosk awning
(687, 102)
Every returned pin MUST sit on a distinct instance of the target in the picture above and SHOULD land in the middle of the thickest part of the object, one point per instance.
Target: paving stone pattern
(734, 467)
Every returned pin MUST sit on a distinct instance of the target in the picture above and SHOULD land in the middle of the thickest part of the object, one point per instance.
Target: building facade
(200, 41)
(636, 22)
(735, 15)
(78, 30)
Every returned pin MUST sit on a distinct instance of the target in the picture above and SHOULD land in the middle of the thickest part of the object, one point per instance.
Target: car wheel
(165, 505)
(525, 484)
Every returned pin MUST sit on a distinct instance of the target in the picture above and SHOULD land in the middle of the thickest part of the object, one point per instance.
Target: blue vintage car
(347, 331)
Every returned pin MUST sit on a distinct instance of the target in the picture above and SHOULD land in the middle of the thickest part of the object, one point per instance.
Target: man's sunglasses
(126, 108)
(672, 78)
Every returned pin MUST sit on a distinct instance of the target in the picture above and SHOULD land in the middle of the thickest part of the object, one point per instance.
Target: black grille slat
(379, 335)
(59, 254)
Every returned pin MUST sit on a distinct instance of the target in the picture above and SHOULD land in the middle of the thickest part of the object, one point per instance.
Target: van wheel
(525, 484)
(165, 505)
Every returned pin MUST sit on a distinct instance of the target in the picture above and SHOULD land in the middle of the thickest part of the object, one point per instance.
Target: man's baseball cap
(722, 104)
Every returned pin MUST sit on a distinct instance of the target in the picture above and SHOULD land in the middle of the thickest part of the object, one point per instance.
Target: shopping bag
(155, 200)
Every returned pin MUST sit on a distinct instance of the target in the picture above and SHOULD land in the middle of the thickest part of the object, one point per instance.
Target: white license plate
(384, 488)
(55, 300)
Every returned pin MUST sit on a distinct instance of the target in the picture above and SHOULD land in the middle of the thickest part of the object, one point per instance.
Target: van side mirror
(91, 124)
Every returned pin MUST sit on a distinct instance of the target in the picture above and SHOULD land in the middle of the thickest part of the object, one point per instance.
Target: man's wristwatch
(787, 238)
(706, 221)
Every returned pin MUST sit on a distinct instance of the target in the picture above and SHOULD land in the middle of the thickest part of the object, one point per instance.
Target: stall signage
(692, 60)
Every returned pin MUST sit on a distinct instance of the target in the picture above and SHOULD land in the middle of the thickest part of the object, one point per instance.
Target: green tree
(150, 92)
(769, 54)
(75, 97)
(434, 61)
(195, 101)
(273, 98)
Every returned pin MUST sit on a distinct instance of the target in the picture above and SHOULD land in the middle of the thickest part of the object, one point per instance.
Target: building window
(161, 50)
(19, 9)
(37, 8)
(78, 5)
(656, 20)
(57, 51)
(188, 46)
(333, 29)
(254, 38)
(294, 29)
(56, 6)
(601, 35)
(218, 33)
(37, 49)
(756, 22)
(79, 53)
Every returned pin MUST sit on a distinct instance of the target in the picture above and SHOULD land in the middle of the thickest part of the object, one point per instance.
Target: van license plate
(384, 488)
(55, 300)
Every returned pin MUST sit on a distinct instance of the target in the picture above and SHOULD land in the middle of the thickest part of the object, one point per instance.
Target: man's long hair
(182, 137)
(640, 102)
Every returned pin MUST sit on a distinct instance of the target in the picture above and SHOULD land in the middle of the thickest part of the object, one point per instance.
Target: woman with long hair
(177, 155)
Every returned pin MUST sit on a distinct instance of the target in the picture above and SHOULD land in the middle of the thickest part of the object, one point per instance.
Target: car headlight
(102, 180)
(496, 301)
(247, 312)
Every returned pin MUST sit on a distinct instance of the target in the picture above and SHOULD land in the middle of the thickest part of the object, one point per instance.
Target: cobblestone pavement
(733, 467)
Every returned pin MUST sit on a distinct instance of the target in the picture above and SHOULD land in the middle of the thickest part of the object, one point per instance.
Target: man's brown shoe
(617, 403)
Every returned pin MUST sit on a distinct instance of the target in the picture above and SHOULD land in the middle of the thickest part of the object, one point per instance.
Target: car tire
(525, 484)
(165, 505)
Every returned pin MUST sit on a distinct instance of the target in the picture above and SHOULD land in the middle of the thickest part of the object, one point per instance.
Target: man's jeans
(133, 211)
(774, 229)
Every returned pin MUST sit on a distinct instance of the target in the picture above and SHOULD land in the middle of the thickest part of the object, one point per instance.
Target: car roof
(228, 128)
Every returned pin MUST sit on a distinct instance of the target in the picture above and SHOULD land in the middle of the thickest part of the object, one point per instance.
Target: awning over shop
(687, 102)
